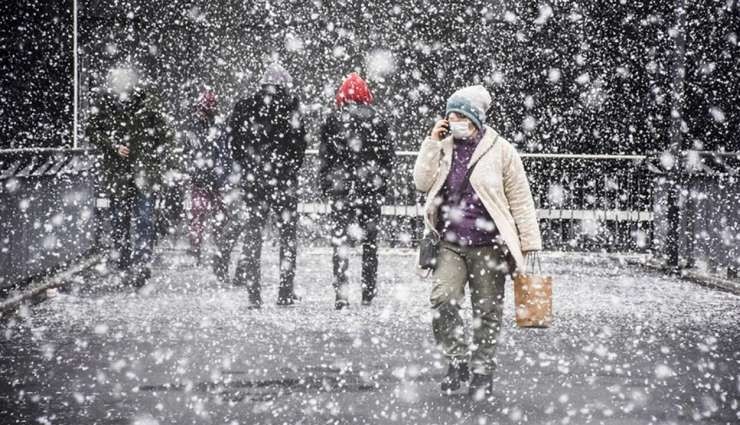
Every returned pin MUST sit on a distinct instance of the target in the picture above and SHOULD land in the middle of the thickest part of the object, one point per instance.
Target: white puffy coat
(499, 181)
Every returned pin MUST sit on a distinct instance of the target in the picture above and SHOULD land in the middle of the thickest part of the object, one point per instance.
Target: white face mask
(460, 129)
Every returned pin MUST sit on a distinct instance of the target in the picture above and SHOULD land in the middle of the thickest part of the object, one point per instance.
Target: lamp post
(75, 76)
(675, 173)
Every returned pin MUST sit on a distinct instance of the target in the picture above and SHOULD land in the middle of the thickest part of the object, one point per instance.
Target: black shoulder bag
(429, 244)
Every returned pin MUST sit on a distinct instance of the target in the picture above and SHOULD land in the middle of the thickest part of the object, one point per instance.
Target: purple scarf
(464, 220)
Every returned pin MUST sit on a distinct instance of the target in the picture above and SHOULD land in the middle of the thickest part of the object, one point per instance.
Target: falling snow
(224, 128)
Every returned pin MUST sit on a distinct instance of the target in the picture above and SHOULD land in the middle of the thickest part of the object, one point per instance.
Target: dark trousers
(171, 211)
(352, 223)
(130, 206)
(249, 221)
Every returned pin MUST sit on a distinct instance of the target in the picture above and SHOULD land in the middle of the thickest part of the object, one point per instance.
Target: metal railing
(697, 212)
(47, 214)
(40, 162)
(48, 201)
(583, 201)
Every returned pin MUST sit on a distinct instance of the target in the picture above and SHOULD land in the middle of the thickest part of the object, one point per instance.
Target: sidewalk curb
(694, 276)
(712, 281)
(38, 288)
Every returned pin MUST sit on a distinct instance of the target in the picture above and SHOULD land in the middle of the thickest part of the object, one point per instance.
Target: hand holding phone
(441, 130)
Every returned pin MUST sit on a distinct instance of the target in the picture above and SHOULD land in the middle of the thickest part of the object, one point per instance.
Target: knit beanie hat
(472, 102)
(354, 90)
(276, 75)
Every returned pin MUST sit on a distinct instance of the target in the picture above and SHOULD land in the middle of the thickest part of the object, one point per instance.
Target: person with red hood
(356, 157)
(207, 165)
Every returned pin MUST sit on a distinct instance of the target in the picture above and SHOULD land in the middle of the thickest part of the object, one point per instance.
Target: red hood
(354, 90)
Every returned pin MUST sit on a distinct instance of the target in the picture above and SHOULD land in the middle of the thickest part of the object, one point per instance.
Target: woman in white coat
(487, 223)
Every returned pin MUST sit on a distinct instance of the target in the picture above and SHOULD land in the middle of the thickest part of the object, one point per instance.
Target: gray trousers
(484, 269)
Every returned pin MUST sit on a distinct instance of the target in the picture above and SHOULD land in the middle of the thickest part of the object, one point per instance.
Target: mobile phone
(445, 132)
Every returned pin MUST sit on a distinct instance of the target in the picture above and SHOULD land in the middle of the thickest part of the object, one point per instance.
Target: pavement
(628, 346)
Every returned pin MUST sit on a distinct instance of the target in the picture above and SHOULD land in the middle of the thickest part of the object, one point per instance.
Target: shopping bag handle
(533, 259)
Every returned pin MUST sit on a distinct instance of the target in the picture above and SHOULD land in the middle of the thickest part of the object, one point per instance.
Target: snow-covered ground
(627, 347)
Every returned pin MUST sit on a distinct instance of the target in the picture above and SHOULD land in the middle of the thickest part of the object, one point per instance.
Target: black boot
(481, 386)
(288, 299)
(195, 253)
(255, 298)
(456, 374)
(340, 302)
(368, 295)
(221, 268)
(255, 302)
(140, 276)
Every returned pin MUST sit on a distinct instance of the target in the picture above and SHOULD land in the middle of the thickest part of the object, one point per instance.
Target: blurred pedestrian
(479, 204)
(268, 141)
(356, 157)
(129, 128)
(207, 166)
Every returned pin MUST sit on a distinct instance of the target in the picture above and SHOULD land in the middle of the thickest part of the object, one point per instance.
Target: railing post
(675, 174)
(75, 76)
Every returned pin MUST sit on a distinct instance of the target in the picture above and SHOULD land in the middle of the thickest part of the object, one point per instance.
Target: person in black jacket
(356, 157)
(268, 143)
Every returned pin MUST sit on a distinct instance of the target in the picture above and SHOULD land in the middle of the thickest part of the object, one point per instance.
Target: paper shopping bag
(533, 300)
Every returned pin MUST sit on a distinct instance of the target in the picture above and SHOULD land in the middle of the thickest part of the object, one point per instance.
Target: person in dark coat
(356, 158)
(207, 166)
(268, 142)
(135, 141)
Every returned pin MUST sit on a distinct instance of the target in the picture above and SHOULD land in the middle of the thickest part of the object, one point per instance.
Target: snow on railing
(565, 187)
(46, 210)
(583, 201)
(40, 162)
(575, 194)
(535, 155)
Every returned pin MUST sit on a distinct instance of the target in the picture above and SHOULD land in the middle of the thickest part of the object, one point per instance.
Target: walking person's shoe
(481, 386)
(288, 300)
(457, 373)
(195, 252)
(341, 302)
(139, 277)
(221, 268)
(255, 298)
(367, 297)
(121, 264)
(254, 303)
(124, 277)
